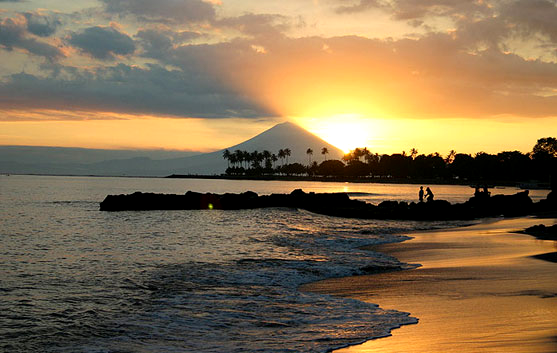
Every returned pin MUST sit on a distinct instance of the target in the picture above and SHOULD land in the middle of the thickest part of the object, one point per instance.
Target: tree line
(362, 163)
(265, 163)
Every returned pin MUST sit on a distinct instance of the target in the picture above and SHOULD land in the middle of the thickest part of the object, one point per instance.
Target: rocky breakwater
(332, 204)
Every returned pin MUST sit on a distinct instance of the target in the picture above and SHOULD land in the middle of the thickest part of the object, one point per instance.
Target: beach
(479, 289)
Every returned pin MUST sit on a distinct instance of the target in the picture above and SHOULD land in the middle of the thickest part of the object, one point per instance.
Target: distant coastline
(337, 179)
(331, 179)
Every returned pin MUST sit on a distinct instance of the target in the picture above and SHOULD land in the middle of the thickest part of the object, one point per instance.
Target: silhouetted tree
(331, 168)
(287, 153)
(544, 159)
(505, 166)
(226, 155)
(357, 168)
(462, 166)
(450, 157)
(395, 165)
(545, 146)
(312, 170)
(413, 153)
(309, 152)
(513, 166)
(281, 155)
(325, 152)
(294, 168)
(485, 166)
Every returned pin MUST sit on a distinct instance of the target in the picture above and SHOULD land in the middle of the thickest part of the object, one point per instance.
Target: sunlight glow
(345, 131)
(395, 135)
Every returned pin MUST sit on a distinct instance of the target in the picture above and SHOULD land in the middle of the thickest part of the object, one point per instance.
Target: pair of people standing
(428, 194)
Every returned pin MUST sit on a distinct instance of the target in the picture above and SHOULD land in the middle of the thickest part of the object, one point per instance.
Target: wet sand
(479, 290)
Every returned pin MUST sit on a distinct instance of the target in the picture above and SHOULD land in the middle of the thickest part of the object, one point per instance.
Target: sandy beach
(479, 289)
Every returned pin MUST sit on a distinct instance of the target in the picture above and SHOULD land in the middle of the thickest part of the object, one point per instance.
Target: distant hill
(79, 161)
(281, 136)
(285, 135)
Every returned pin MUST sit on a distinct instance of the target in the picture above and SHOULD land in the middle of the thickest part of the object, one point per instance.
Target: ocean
(75, 279)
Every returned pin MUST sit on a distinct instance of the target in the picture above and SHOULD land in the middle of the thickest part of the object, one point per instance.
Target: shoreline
(471, 183)
(481, 288)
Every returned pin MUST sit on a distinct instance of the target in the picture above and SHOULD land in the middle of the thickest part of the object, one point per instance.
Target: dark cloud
(533, 16)
(14, 34)
(103, 42)
(412, 9)
(360, 6)
(157, 43)
(41, 25)
(464, 73)
(257, 25)
(180, 11)
(433, 76)
(122, 88)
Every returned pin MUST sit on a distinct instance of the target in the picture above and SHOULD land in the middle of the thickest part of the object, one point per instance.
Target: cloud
(533, 16)
(464, 72)
(41, 25)
(103, 42)
(433, 76)
(411, 9)
(257, 25)
(178, 11)
(14, 34)
(126, 89)
(360, 6)
(157, 42)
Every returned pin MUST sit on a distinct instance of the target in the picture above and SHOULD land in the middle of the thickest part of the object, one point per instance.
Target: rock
(540, 231)
(332, 204)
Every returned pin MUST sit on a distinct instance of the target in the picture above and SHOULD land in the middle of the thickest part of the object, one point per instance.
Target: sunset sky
(436, 75)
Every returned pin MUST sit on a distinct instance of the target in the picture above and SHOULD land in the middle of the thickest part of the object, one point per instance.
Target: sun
(345, 131)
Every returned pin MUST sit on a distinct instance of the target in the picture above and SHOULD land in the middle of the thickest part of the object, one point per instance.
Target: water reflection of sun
(345, 131)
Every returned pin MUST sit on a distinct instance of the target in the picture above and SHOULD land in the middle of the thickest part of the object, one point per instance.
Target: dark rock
(332, 204)
(540, 231)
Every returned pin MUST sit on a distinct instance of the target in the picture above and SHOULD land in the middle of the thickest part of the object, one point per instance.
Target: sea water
(74, 279)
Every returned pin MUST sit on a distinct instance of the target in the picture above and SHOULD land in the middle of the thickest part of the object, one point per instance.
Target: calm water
(75, 279)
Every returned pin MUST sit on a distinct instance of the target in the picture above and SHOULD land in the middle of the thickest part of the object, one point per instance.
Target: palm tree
(233, 159)
(254, 157)
(274, 159)
(247, 158)
(267, 158)
(287, 153)
(226, 155)
(309, 152)
(324, 152)
(239, 156)
(450, 157)
(413, 153)
(281, 155)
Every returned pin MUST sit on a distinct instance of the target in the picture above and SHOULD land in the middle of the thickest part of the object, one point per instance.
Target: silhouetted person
(421, 194)
(486, 193)
(428, 194)
(483, 194)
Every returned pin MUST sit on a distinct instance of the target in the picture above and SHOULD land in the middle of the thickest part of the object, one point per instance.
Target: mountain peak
(288, 135)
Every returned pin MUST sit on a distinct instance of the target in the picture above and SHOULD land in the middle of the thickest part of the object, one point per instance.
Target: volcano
(68, 161)
(281, 136)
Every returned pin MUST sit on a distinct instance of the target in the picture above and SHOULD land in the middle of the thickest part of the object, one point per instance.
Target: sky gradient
(391, 75)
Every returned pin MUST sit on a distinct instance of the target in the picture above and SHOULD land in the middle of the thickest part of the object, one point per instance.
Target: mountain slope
(281, 136)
